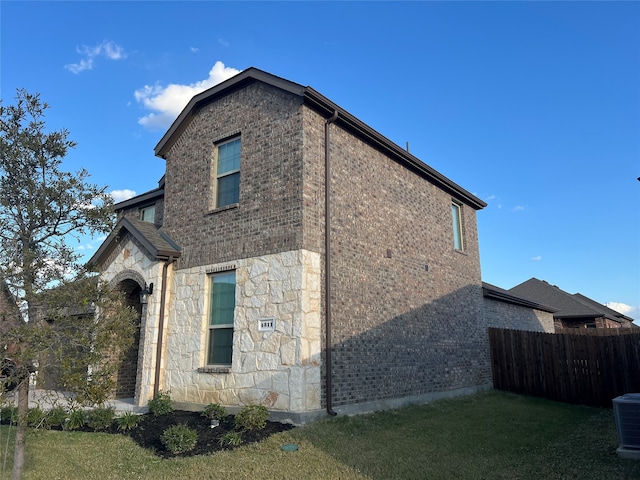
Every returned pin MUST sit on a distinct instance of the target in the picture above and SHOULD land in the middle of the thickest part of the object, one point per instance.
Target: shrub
(100, 418)
(213, 411)
(179, 438)
(127, 421)
(9, 414)
(56, 417)
(230, 439)
(75, 420)
(252, 417)
(35, 417)
(161, 404)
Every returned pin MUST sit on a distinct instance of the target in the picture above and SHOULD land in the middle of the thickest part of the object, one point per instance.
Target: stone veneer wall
(507, 315)
(129, 257)
(279, 369)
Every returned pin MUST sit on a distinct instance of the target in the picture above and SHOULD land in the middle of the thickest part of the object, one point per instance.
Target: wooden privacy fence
(589, 369)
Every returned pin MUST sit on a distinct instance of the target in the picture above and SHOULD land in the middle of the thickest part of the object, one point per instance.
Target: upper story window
(148, 214)
(227, 173)
(456, 215)
(221, 315)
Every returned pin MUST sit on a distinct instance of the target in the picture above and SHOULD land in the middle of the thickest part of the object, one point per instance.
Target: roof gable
(568, 305)
(324, 107)
(157, 244)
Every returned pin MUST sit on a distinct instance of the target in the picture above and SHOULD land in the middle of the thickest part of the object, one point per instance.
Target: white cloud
(90, 244)
(166, 102)
(122, 195)
(537, 258)
(628, 310)
(194, 49)
(84, 64)
(518, 208)
(107, 49)
(223, 42)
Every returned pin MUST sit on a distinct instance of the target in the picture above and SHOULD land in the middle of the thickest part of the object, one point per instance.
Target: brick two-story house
(298, 259)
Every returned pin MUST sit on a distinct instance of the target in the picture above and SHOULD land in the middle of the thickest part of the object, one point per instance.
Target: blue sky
(532, 106)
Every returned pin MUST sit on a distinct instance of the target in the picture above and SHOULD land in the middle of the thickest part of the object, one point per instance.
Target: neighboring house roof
(501, 295)
(325, 107)
(567, 304)
(609, 313)
(155, 241)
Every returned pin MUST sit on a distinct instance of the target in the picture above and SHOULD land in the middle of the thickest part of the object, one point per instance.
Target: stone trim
(128, 275)
(214, 370)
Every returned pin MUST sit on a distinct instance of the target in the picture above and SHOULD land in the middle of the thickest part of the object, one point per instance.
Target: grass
(486, 436)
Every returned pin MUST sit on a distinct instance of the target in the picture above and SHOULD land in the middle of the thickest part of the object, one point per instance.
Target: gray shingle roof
(157, 243)
(609, 312)
(568, 305)
(502, 295)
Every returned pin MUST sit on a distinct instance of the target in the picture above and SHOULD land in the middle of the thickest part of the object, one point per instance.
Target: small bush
(213, 411)
(75, 420)
(161, 404)
(127, 421)
(35, 417)
(9, 414)
(179, 438)
(56, 417)
(100, 418)
(230, 439)
(252, 417)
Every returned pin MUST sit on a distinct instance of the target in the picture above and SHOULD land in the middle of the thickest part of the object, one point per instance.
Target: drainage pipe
(163, 297)
(327, 261)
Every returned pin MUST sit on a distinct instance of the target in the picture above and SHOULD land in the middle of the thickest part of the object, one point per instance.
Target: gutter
(327, 261)
(163, 297)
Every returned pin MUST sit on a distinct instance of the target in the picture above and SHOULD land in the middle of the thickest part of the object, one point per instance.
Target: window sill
(231, 206)
(214, 370)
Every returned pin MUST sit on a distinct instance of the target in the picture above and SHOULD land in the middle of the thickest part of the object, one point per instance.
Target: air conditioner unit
(626, 410)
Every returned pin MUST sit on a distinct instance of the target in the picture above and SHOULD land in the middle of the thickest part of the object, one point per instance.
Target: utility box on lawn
(626, 409)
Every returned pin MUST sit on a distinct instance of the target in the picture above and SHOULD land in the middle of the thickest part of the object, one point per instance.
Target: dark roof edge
(495, 293)
(125, 224)
(142, 198)
(236, 82)
(325, 107)
(168, 239)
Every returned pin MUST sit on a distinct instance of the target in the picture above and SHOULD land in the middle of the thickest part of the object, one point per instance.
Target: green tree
(65, 317)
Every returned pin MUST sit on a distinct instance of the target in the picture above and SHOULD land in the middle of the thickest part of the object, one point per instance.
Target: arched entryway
(127, 372)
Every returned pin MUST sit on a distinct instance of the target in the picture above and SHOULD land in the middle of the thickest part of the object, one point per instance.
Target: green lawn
(486, 436)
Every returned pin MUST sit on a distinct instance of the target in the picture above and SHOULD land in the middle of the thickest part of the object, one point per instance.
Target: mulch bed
(149, 429)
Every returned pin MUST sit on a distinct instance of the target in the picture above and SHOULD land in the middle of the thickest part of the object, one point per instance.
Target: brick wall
(407, 307)
(268, 218)
(507, 315)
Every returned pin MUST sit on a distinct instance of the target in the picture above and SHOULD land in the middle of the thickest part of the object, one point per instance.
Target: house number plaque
(266, 324)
